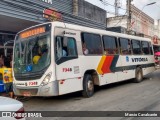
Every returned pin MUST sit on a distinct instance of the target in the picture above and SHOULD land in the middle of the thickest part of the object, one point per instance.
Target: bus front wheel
(88, 86)
(139, 75)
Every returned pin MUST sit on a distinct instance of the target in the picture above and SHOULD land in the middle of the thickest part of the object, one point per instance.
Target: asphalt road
(124, 96)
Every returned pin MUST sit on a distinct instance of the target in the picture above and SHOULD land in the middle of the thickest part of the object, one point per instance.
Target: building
(117, 21)
(156, 37)
(157, 29)
(87, 10)
(16, 15)
(141, 23)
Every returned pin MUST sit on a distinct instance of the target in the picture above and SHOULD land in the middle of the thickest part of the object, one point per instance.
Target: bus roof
(97, 31)
(91, 30)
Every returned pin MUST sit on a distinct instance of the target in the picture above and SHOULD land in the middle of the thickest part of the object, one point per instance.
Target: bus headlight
(46, 79)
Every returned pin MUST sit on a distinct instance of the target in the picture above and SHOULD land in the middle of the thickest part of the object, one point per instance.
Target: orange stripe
(99, 68)
(107, 64)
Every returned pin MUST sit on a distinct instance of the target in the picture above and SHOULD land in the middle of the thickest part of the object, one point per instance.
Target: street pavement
(123, 96)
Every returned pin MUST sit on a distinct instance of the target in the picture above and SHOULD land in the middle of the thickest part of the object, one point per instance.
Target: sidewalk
(19, 98)
(4, 94)
(157, 67)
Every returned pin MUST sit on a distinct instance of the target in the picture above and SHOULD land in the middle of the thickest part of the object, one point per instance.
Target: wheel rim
(90, 85)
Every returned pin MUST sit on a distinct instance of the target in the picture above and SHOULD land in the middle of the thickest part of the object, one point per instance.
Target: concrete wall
(92, 12)
(117, 21)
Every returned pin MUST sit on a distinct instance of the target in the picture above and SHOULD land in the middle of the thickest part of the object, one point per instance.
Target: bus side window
(93, 44)
(110, 45)
(151, 48)
(125, 46)
(145, 47)
(136, 45)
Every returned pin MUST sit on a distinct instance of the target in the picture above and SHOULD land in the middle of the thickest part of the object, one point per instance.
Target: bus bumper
(51, 89)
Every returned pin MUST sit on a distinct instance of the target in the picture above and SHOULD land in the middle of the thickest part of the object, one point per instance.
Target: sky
(152, 10)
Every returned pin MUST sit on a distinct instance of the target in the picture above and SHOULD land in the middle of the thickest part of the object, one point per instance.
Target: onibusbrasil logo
(21, 115)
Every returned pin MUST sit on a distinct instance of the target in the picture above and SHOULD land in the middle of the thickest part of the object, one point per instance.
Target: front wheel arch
(88, 86)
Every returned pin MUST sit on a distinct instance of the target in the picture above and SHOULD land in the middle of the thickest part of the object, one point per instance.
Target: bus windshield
(32, 54)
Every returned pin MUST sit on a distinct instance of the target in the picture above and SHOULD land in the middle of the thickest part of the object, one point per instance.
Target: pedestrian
(8, 81)
(64, 53)
(7, 78)
(1, 62)
(37, 54)
(11, 61)
(44, 54)
(84, 48)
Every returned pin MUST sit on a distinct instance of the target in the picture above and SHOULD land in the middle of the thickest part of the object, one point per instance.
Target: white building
(140, 22)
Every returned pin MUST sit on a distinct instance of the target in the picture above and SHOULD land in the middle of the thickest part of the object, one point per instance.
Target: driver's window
(65, 47)
(59, 47)
(71, 47)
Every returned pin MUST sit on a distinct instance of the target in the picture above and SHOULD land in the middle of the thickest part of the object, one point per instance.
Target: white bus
(57, 58)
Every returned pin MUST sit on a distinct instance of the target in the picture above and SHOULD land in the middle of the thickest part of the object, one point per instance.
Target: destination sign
(32, 32)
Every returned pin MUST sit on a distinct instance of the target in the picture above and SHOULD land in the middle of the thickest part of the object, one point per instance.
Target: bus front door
(67, 64)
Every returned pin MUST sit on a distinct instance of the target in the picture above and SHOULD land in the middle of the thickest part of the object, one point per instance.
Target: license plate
(27, 94)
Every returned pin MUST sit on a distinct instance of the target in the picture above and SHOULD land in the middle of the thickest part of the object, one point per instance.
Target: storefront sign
(52, 15)
(47, 1)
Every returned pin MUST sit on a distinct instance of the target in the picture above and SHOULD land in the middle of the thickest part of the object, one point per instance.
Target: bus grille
(27, 77)
(31, 91)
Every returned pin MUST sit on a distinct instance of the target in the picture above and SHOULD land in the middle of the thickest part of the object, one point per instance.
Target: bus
(57, 58)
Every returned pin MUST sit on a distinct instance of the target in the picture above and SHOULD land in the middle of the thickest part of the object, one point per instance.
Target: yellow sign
(7, 74)
(32, 32)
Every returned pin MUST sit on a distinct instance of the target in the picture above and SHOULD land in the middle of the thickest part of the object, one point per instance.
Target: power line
(158, 6)
(120, 19)
(117, 6)
(113, 13)
(106, 3)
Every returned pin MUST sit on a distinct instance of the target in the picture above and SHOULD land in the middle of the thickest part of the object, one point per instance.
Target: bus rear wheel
(88, 86)
(139, 75)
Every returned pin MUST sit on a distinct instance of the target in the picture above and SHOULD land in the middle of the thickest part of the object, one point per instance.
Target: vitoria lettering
(139, 59)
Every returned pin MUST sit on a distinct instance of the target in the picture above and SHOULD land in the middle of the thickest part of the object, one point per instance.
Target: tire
(138, 75)
(88, 86)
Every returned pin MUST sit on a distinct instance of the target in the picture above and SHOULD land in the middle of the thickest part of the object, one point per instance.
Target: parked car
(10, 105)
(157, 58)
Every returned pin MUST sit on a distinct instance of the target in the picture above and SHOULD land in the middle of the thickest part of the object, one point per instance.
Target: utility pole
(129, 15)
(75, 7)
(117, 5)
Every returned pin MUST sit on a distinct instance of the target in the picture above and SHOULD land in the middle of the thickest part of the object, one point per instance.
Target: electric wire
(120, 20)
(106, 3)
